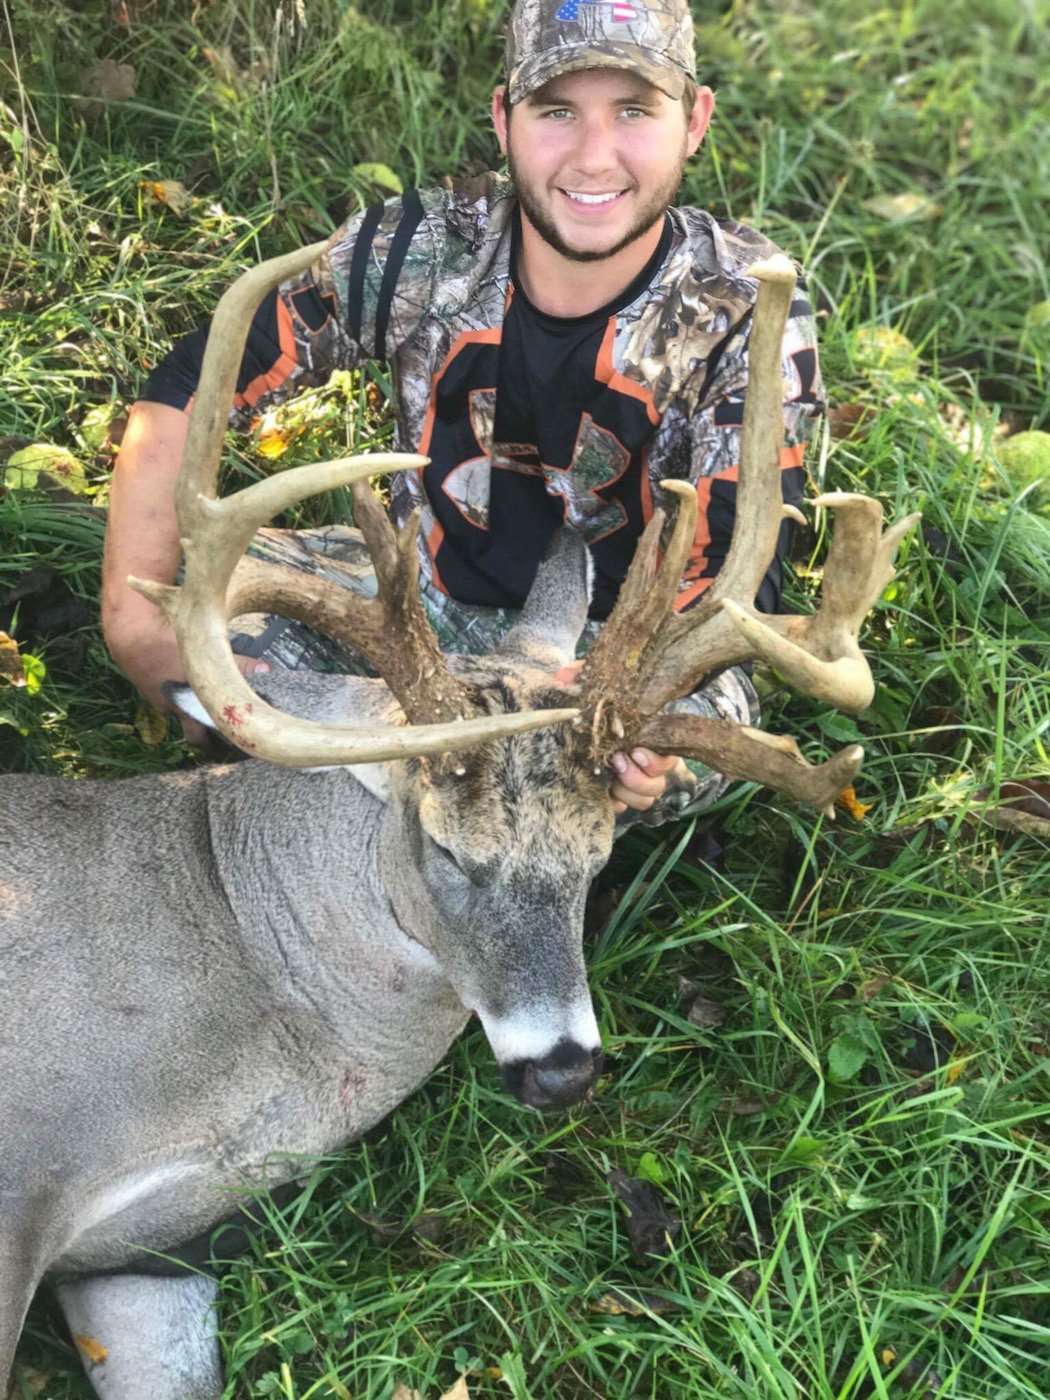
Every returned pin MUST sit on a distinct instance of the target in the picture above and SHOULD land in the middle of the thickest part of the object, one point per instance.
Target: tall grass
(876, 1232)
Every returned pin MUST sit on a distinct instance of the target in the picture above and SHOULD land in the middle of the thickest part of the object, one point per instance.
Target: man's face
(596, 157)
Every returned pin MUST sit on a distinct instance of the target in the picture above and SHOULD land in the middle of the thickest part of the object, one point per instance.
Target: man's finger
(634, 779)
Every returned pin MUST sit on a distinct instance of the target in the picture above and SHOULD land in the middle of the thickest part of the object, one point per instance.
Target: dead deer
(212, 976)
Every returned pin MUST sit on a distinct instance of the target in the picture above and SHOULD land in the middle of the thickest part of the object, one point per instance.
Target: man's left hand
(640, 777)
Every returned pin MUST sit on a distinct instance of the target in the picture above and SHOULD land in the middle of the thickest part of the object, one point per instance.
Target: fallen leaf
(874, 985)
(109, 81)
(273, 441)
(1025, 807)
(36, 1382)
(747, 1108)
(618, 1303)
(910, 205)
(847, 799)
(95, 1352)
(223, 65)
(402, 1392)
(458, 1392)
(172, 193)
(847, 419)
(44, 459)
(11, 672)
(151, 725)
(705, 1014)
(376, 173)
(651, 1227)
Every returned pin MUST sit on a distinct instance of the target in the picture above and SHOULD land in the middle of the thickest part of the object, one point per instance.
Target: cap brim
(575, 58)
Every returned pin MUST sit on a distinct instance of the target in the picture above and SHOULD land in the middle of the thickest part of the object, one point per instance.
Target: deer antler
(391, 630)
(647, 655)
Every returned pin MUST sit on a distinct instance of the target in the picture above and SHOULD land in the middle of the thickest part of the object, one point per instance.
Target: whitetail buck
(207, 975)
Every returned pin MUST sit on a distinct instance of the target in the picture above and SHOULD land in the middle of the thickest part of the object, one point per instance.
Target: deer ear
(328, 699)
(555, 611)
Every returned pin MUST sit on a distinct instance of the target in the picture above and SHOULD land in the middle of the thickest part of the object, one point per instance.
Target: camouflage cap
(546, 38)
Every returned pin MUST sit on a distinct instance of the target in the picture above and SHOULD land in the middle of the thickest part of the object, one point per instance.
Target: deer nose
(560, 1079)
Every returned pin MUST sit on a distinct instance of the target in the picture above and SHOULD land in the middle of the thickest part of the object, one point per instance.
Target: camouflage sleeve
(715, 432)
(362, 300)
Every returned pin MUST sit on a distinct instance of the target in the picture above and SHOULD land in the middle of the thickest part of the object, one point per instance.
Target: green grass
(859, 1153)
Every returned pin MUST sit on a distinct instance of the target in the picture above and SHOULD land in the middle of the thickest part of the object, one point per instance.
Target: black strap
(358, 267)
(412, 214)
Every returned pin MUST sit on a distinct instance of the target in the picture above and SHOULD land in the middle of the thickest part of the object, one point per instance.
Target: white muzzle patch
(533, 1032)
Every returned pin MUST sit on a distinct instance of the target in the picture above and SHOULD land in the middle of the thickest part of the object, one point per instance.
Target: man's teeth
(593, 198)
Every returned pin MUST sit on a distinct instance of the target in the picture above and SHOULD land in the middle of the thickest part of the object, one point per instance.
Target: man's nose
(595, 151)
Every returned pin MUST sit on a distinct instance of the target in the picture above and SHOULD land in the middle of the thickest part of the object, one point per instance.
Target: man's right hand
(151, 658)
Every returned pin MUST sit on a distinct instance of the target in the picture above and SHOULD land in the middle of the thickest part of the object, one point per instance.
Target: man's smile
(592, 200)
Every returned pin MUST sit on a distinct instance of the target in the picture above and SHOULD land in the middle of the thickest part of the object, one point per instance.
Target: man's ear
(699, 119)
(500, 116)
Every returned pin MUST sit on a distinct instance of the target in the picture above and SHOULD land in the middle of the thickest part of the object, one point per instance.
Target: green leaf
(840, 728)
(378, 174)
(35, 673)
(26, 466)
(513, 1368)
(846, 1058)
(650, 1168)
(804, 1152)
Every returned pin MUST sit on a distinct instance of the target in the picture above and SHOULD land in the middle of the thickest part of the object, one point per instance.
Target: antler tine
(215, 534)
(222, 360)
(680, 656)
(616, 666)
(739, 751)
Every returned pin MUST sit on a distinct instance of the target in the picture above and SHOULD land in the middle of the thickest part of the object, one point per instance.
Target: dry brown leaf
(847, 799)
(910, 205)
(874, 986)
(223, 65)
(151, 725)
(617, 1303)
(1026, 807)
(109, 81)
(11, 672)
(458, 1392)
(170, 192)
(705, 1013)
(847, 419)
(402, 1392)
(35, 1382)
(95, 1352)
(746, 1108)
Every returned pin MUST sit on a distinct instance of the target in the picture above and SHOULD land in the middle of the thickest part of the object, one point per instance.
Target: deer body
(242, 990)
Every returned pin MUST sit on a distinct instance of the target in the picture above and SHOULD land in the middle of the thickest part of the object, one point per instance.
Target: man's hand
(640, 777)
(151, 658)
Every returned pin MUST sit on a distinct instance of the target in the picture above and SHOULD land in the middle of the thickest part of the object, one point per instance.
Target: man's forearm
(142, 535)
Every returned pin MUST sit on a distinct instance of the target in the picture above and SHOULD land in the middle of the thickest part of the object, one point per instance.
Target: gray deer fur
(211, 975)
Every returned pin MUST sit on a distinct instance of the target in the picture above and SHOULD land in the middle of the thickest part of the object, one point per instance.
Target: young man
(560, 342)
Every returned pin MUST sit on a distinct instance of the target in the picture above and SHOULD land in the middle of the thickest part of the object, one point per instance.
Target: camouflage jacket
(654, 387)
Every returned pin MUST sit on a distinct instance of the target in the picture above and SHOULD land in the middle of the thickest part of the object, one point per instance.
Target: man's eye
(558, 112)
